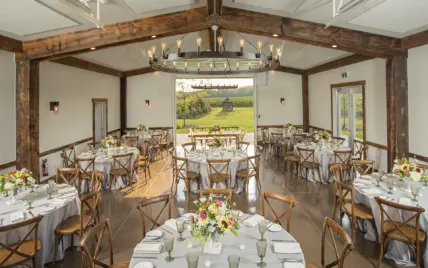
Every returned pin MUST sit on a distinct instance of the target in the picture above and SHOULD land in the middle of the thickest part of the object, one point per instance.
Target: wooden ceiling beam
(117, 34)
(337, 64)
(214, 6)
(86, 65)
(415, 40)
(290, 70)
(310, 33)
(139, 71)
(10, 44)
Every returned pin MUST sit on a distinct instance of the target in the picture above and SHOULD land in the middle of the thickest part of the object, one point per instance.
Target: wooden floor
(314, 203)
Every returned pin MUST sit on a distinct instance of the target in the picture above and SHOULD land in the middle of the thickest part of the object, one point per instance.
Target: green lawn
(241, 117)
(359, 125)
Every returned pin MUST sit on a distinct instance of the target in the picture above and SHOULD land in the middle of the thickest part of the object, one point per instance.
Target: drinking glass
(222, 154)
(262, 229)
(50, 190)
(261, 251)
(169, 246)
(29, 200)
(192, 260)
(235, 215)
(233, 261)
(378, 179)
(180, 228)
(390, 184)
(415, 190)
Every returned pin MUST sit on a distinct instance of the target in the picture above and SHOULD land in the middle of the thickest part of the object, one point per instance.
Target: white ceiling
(134, 56)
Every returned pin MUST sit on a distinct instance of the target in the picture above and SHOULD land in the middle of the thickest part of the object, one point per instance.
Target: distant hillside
(238, 92)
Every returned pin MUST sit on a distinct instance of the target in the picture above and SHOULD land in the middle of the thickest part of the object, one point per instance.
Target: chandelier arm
(233, 29)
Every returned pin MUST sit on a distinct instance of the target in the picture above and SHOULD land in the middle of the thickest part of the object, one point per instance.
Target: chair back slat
(157, 139)
(339, 140)
(299, 137)
(165, 199)
(189, 147)
(306, 156)
(68, 155)
(69, 176)
(219, 167)
(267, 196)
(276, 138)
(243, 146)
(123, 161)
(335, 230)
(360, 149)
(86, 166)
(131, 141)
(89, 205)
(179, 168)
(363, 167)
(227, 193)
(265, 134)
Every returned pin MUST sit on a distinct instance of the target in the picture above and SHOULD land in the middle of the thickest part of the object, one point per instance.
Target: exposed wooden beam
(397, 108)
(123, 104)
(27, 116)
(305, 99)
(415, 40)
(10, 44)
(290, 70)
(86, 65)
(214, 6)
(337, 63)
(135, 72)
(310, 33)
(117, 34)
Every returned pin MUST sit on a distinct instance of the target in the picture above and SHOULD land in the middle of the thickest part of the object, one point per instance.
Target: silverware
(284, 241)
(290, 260)
(269, 225)
(144, 257)
(31, 213)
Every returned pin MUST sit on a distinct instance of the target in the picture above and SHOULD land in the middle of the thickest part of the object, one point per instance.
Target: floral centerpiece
(215, 128)
(321, 135)
(142, 127)
(289, 127)
(109, 142)
(14, 180)
(403, 168)
(216, 143)
(214, 218)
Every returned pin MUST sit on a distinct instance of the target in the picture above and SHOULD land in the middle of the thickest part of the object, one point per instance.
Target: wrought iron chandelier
(217, 62)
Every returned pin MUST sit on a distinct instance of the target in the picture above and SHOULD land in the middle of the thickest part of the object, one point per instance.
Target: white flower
(415, 176)
(221, 210)
(19, 181)
(31, 180)
(203, 199)
(189, 228)
(9, 186)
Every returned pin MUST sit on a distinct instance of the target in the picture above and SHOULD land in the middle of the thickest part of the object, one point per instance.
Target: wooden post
(397, 108)
(123, 105)
(305, 98)
(27, 116)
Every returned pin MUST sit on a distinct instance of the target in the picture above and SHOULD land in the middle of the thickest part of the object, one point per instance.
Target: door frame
(93, 115)
(361, 83)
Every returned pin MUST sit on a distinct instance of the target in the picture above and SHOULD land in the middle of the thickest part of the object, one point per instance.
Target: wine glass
(233, 261)
(192, 260)
(261, 251)
(415, 190)
(390, 184)
(180, 228)
(29, 200)
(262, 229)
(169, 246)
(50, 190)
(378, 179)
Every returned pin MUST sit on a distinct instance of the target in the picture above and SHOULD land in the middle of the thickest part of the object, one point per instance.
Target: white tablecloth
(46, 227)
(230, 246)
(323, 156)
(104, 163)
(142, 136)
(397, 251)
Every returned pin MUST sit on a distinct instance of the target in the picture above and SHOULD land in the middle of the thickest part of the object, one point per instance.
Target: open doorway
(225, 102)
(348, 111)
(99, 119)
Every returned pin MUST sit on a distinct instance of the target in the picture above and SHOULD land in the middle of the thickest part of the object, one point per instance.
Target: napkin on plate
(293, 265)
(290, 248)
(254, 220)
(405, 201)
(365, 177)
(17, 216)
(366, 182)
(171, 224)
(65, 190)
(142, 248)
(371, 191)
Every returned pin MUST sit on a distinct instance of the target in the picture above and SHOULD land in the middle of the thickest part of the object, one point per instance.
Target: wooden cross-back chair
(122, 167)
(91, 245)
(307, 162)
(68, 155)
(156, 144)
(189, 147)
(79, 224)
(251, 171)
(131, 141)
(363, 167)
(26, 249)
(227, 193)
(347, 205)
(336, 171)
(276, 142)
(69, 176)
(152, 201)
(143, 161)
(180, 171)
(286, 212)
(243, 145)
(343, 157)
(339, 140)
(299, 137)
(97, 181)
(335, 230)
(266, 138)
(86, 168)
(406, 231)
(360, 150)
(166, 133)
(218, 171)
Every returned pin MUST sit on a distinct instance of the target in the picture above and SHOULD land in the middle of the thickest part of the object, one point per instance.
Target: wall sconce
(54, 106)
(147, 102)
(282, 100)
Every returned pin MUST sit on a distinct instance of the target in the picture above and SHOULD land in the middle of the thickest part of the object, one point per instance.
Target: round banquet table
(366, 190)
(323, 156)
(54, 211)
(248, 236)
(198, 163)
(104, 162)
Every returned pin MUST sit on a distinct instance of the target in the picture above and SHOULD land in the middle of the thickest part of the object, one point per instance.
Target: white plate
(144, 264)
(187, 215)
(275, 228)
(153, 235)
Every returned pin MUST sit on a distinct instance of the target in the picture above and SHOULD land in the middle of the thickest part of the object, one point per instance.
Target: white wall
(374, 73)
(74, 89)
(417, 66)
(7, 108)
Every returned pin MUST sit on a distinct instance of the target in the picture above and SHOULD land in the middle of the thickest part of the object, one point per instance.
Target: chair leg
(56, 248)
(380, 252)
(187, 189)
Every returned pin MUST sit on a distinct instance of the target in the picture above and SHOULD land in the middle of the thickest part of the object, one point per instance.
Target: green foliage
(192, 107)
(237, 101)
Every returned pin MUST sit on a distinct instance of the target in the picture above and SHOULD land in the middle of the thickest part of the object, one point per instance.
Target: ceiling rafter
(415, 40)
(10, 44)
(355, 58)
(87, 65)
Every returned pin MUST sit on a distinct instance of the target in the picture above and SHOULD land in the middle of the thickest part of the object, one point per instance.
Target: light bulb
(237, 66)
(260, 63)
(220, 41)
(199, 41)
(173, 64)
(199, 66)
(249, 65)
(225, 66)
(179, 43)
(242, 42)
(185, 66)
(271, 48)
(154, 49)
(150, 53)
(211, 66)
(163, 45)
(259, 44)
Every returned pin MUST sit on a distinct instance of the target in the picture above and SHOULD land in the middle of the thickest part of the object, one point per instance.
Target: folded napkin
(280, 247)
(405, 201)
(171, 224)
(254, 220)
(58, 202)
(148, 248)
(17, 216)
(365, 177)
(365, 182)
(293, 265)
(67, 195)
(371, 191)
(66, 190)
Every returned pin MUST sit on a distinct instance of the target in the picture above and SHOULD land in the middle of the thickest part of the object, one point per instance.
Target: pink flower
(395, 172)
(231, 222)
(192, 219)
(13, 172)
(203, 214)
(218, 203)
